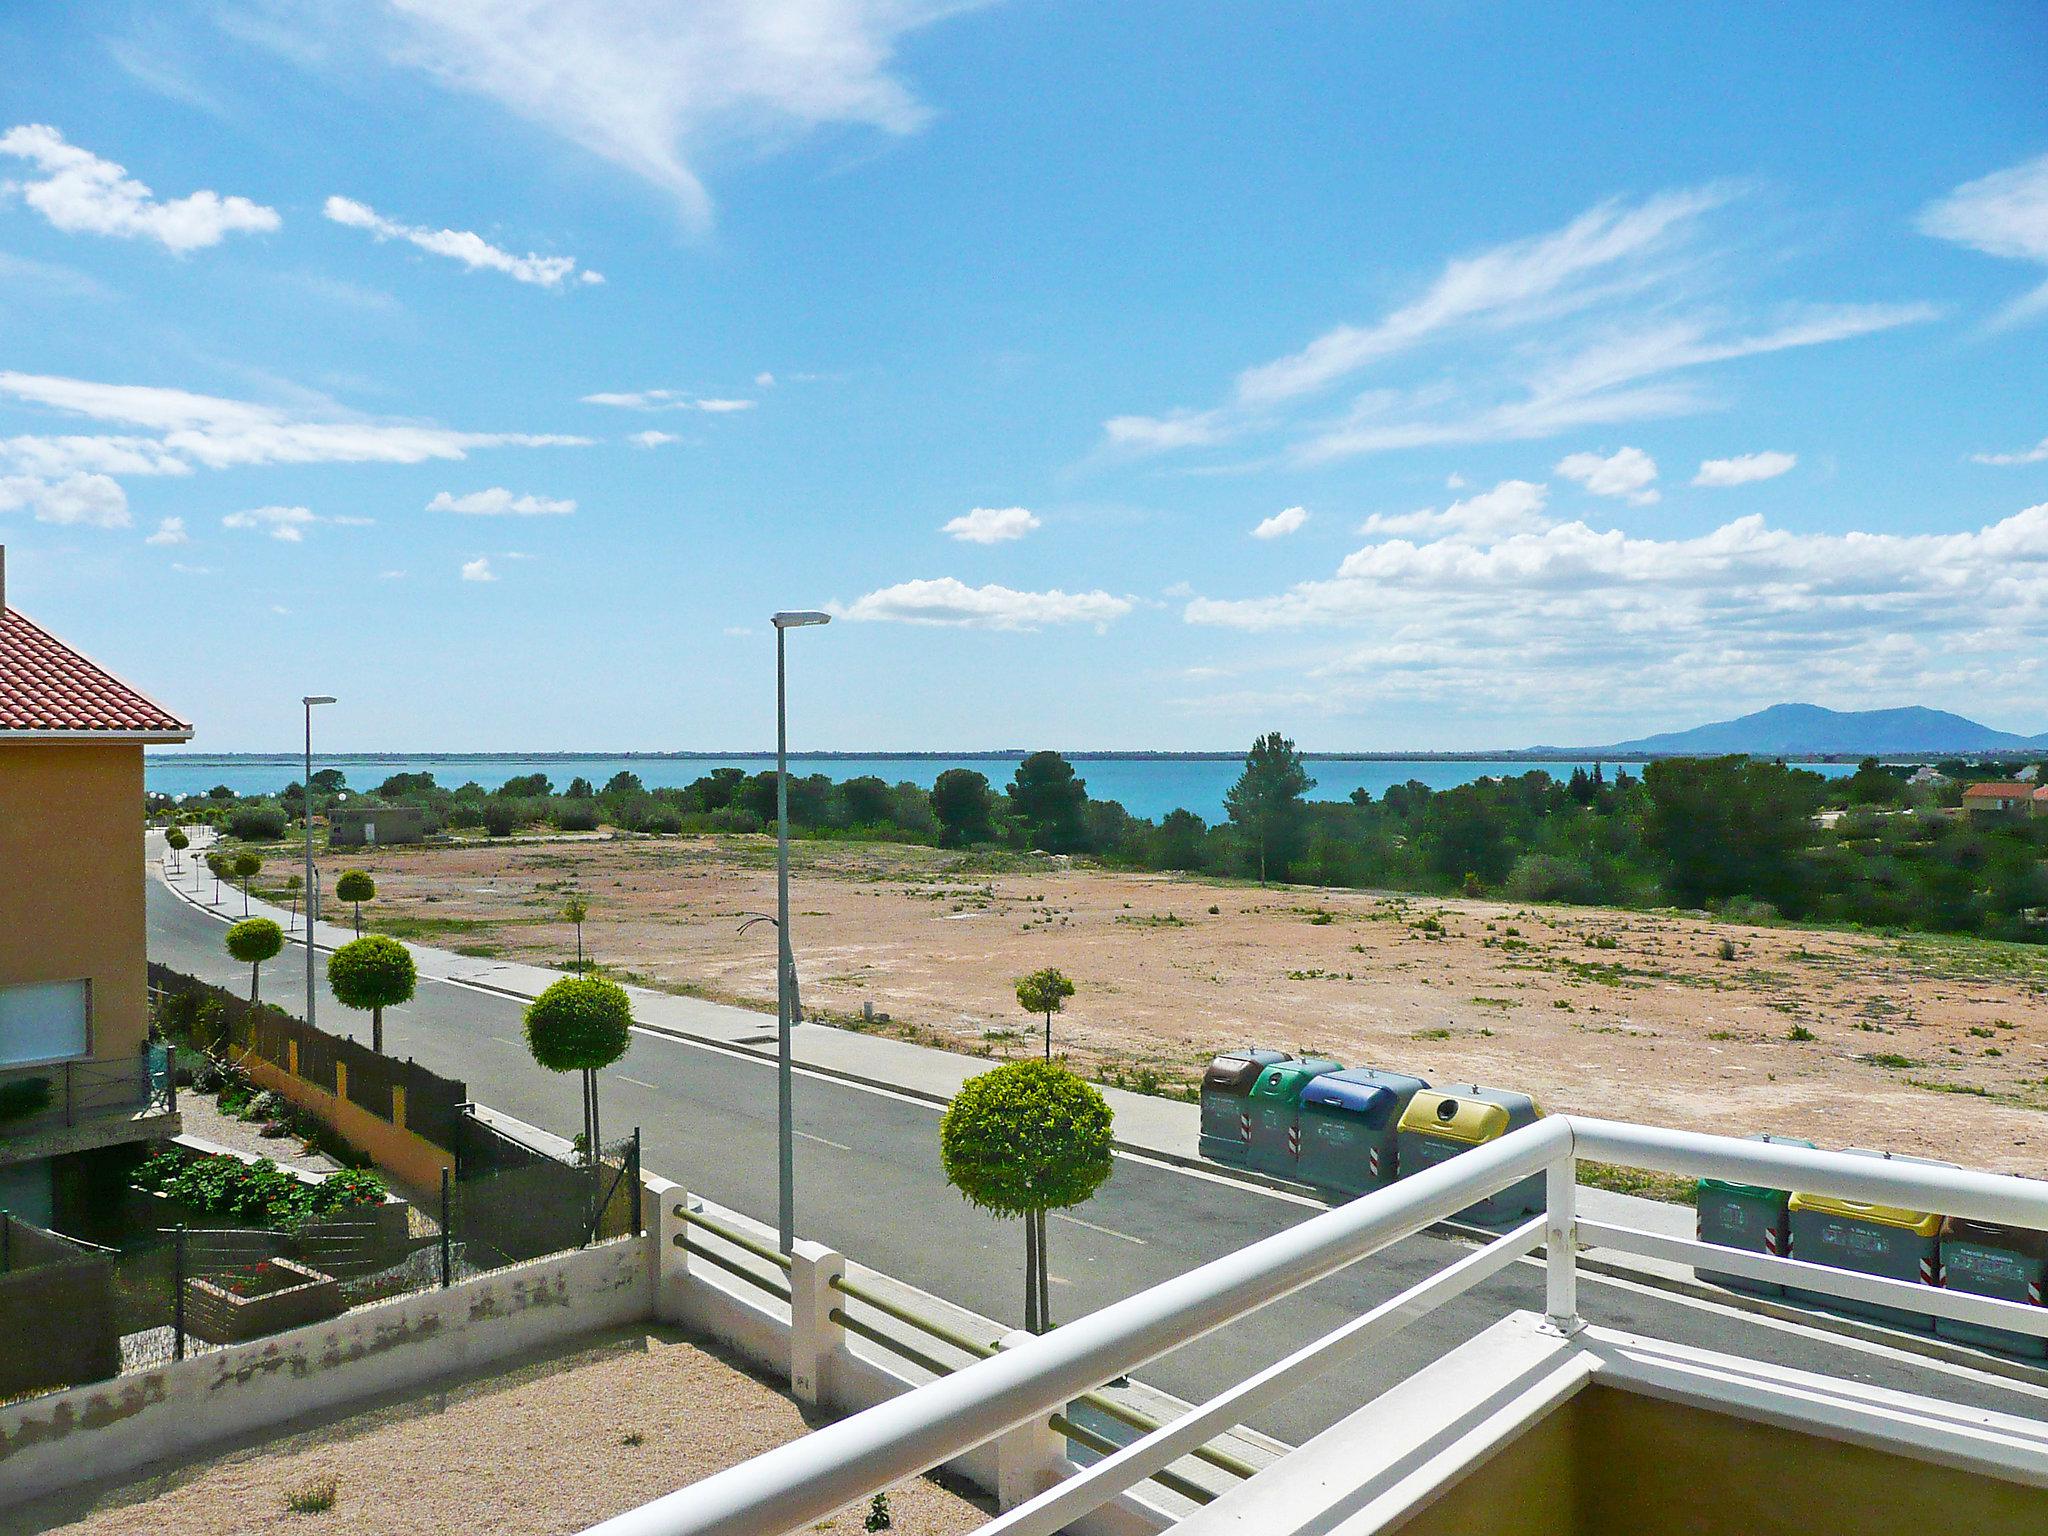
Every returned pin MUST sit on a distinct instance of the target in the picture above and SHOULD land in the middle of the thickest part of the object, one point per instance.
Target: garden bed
(264, 1298)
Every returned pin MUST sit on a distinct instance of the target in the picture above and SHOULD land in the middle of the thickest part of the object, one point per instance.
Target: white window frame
(85, 1051)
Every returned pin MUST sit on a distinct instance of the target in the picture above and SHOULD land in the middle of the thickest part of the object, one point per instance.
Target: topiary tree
(177, 842)
(374, 973)
(356, 887)
(245, 866)
(1044, 992)
(1027, 1138)
(221, 868)
(581, 1024)
(574, 910)
(252, 941)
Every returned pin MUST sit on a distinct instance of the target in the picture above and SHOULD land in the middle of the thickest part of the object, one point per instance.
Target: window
(43, 1021)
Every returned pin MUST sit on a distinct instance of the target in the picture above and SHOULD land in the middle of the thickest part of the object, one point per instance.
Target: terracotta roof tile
(45, 686)
(1998, 792)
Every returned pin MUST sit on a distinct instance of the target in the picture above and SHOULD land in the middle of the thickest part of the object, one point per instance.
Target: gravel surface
(538, 1448)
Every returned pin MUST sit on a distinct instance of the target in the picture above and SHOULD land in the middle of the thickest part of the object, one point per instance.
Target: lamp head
(317, 698)
(800, 619)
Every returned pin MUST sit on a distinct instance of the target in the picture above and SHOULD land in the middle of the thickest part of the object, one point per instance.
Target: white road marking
(1105, 1231)
(513, 1043)
(635, 1082)
(842, 1146)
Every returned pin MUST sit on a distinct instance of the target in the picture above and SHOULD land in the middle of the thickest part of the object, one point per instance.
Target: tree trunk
(1048, 1034)
(1044, 1276)
(579, 949)
(377, 1030)
(254, 975)
(359, 919)
(1031, 1275)
(245, 898)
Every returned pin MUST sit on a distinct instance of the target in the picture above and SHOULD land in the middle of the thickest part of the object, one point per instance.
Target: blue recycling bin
(1349, 1126)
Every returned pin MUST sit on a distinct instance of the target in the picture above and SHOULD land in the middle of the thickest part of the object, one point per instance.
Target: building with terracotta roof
(77, 1076)
(2008, 799)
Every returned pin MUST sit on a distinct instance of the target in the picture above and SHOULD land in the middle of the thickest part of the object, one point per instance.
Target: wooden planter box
(284, 1295)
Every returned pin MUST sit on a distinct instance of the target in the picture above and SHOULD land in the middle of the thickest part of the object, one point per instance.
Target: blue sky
(1121, 375)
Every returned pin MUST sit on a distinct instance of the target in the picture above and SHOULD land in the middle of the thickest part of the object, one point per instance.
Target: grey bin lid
(1990, 1234)
(1331, 1091)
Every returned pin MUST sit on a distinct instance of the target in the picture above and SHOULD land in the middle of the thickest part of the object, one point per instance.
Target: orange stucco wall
(71, 892)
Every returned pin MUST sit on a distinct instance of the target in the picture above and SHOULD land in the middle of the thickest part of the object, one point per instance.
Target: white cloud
(951, 602)
(1281, 523)
(391, 575)
(91, 501)
(2033, 455)
(1599, 621)
(653, 439)
(499, 502)
(80, 193)
(991, 525)
(478, 569)
(764, 380)
(666, 400)
(725, 407)
(169, 530)
(191, 570)
(1627, 472)
(2003, 214)
(1745, 468)
(1513, 506)
(216, 433)
(1603, 321)
(643, 82)
(472, 250)
(286, 524)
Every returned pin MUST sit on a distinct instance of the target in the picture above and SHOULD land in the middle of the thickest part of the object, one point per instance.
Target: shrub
(576, 816)
(312, 1498)
(25, 1096)
(257, 823)
(501, 817)
(732, 819)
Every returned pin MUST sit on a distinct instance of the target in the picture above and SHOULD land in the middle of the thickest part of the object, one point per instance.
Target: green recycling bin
(1437, 1126)
(1983, 1258)
(1227, 1101)
(1349, 1122)
(1749, 1217)
(1886, 1240)
(1276, 1114)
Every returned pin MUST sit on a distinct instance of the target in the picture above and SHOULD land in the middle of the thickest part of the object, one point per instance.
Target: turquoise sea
(1146, 786)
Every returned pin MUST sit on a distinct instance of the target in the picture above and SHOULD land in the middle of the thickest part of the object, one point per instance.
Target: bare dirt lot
(550, 1445)
(1918, 1043)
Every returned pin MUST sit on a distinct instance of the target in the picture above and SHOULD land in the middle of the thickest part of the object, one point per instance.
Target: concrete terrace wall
(178, 1410)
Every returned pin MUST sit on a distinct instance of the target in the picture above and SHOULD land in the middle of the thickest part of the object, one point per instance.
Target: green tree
(1027, 1138)
(1051, 803)
(1872, 784)
(222, 867)
(252, 941)
(1266, 802)
(177, 842)
(581, 1024)
(1182, 841)
(246, 865)
(1045, 991)
(964, 805)
(575, 910)
(293, 885)
(356, 887)
(1729, 826)
(373, 973)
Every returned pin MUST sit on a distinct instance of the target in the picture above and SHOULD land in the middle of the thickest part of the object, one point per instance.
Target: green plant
(312, 1498)
(878, 1516)
(632, 1437)
(1800, 1034)
(581, 1024)
(245, 865)
(252, 941)
(575, 910)
(1022, 1140)
(374, 974)
(25, 1096)
(1044, 991)
(355, 887)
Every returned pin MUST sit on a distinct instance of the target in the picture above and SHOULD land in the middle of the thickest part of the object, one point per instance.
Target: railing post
(1560, 1244)
(814, 1338)
(178, 1295)
(1030, 1458)
(447, 1237)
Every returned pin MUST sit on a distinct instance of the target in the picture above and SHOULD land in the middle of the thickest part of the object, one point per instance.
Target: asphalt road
(869, 1184)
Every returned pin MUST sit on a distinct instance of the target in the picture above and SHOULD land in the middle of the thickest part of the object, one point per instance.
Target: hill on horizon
(1810, 729)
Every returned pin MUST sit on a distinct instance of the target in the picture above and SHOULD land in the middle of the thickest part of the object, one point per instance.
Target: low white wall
(176, 1410)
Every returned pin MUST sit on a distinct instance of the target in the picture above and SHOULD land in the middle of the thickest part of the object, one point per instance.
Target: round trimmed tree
(575, 910)
(1045, 992)
(1027, 1138)
(581, 1024)
(356, 887)
(252, 941)
(373, 974)
(177, 842)
(245, 866)
(221, 867)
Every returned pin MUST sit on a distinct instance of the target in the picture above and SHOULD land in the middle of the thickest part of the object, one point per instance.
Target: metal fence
(513, 1200)
(66, 1093)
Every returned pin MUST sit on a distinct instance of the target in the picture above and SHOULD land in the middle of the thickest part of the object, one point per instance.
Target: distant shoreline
(1017, 754)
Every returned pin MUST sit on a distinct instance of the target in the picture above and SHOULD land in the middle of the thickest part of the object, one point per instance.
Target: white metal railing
(804, 1481)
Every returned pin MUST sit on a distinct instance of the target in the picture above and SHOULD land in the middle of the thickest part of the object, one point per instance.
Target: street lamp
(306, 790)
(785, 956)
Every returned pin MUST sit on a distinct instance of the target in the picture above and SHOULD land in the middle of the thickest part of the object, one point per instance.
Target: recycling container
(1227, 1101)
(1986, 1259)
(1749, 1217)
(1348, 1125)
(1276, 1114)
(1885, 1240)
(1438, 1125)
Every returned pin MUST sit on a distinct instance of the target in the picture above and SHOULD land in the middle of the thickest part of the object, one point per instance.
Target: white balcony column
(1560, 1245)
(1030, 1458)
(815, 1338)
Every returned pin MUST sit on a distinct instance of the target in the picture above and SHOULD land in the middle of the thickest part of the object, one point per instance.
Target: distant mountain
(1800, 730)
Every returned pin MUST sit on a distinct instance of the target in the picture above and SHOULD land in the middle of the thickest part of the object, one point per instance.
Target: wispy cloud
(2034, 455)
(169, 531)
(288, 525)
(471, 249)
(1629, 473)
(651, 439)
(80, 193)
(499, 502)
(92, 501)
(991, 525)
(1280, 524)
(667, 400)
(948, 601)
(1597, 323)
(2003, 214)
(1745, 468)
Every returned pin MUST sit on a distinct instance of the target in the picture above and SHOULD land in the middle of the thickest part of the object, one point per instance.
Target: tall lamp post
(785, 953)
(306, 788)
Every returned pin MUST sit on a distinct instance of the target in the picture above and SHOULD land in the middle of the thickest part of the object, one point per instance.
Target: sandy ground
(540, 1448)
(1924, 1044)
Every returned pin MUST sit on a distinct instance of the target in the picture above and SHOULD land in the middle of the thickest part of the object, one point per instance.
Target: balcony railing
(58, 1094)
